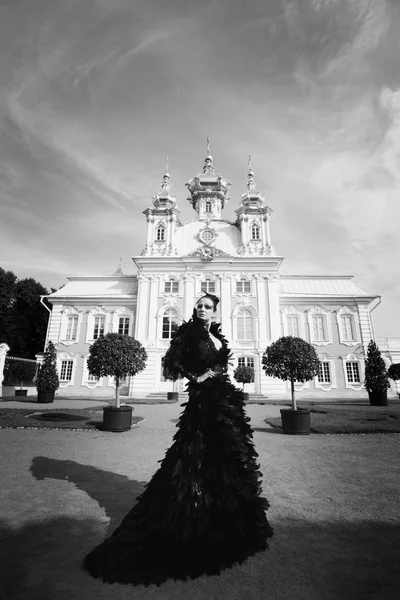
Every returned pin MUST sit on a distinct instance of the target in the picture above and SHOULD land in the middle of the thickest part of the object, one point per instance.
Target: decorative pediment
(208, 253)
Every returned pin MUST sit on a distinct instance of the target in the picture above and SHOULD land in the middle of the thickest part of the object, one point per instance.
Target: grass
(90, 419)
(349, 420)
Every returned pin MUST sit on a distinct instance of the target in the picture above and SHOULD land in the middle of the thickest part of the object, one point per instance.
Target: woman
(201, 511)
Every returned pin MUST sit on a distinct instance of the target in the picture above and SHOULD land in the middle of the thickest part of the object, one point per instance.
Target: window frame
(315, 312)
(208, 281)
(292, 311)
(244, 309)
(353, 385)
(351, 313)
(169, 309)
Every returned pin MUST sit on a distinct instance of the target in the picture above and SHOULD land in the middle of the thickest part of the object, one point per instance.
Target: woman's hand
(208, 374)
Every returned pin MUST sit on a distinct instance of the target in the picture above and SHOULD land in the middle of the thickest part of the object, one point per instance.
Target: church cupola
(208, 191)
(162, 221)
(253, 218)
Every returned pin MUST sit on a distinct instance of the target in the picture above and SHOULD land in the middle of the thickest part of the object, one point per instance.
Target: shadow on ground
(310, 561)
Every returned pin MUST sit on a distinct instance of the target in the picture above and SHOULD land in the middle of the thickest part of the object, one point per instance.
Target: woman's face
(205, 310)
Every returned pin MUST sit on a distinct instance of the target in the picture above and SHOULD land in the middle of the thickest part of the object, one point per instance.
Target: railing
(388, 343)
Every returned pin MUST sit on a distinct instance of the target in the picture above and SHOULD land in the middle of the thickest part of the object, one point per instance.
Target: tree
(47, 377)
(394, 373)
(117, 356)
(376, 375)
(244, 374)
(27, 319)
(23, 371)
(7, 295)
(291, 359)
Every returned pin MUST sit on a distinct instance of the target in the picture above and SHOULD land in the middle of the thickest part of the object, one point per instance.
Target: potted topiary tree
(394, 373)
(292, 359)
(244, 374)
(118, 356)
(23, 371)
(376, 379)
(47, 381)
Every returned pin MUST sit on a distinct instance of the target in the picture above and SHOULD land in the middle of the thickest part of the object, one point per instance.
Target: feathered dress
(202, 510)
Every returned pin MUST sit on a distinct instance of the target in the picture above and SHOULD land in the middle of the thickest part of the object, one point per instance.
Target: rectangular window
(244, 325)
(347, 328)
(293, 325)
(72, 328)
(246, 361)
(243, 287)
(99, 324)
(324, 375)
(92, 378)
(160, 234)
(66, 370)
(123, 326)
(255, 232)
(319, 331)
(353, 372)
(208, 286)
(171, 286)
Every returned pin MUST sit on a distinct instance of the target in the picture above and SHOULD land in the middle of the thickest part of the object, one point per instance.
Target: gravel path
(334, 508)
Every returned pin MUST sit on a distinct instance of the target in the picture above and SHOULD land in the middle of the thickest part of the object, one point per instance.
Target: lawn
(87, 418)
(362, 419)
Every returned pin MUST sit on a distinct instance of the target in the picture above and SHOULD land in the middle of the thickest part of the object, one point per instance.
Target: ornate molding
(208, 253)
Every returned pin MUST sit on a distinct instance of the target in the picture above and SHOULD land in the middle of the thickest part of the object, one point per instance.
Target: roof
(91, 287)
(315, 285)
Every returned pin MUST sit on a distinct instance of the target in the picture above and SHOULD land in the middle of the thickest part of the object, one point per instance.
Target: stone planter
(296, 422)
(173, 396)
(117, 419)
(21, 392)
(378, 398)
(45, 397)
(245, 396)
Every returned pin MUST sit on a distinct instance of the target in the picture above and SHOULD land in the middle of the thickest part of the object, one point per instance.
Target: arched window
(244, 321)
(171, 286)
(208, 206)
(208, 286)
(170, 323)
(255, 232)
(160, 233)
(243, 286)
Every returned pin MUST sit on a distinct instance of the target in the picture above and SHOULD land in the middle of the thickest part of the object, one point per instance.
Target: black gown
(202, 510)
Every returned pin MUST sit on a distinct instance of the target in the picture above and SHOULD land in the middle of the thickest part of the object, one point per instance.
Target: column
(225, 306)
(142, 307)
(273, 301)
(152, 308)
(264, 334)
(188, 294)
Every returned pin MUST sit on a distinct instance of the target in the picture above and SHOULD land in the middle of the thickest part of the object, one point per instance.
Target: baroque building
(237, 262)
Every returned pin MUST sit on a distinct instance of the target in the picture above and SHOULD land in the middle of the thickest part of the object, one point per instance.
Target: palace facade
(237, 262)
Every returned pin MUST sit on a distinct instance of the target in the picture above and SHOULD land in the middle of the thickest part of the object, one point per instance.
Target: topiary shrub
(244, 374)
(291, 359)
(116, 355)
(47, 378)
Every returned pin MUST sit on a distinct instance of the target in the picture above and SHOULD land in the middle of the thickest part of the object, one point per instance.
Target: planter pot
(45, 397)
(378, 398)
(296, 422)
(117, 419)
(245, 396)
(21, 392)
(173, 396)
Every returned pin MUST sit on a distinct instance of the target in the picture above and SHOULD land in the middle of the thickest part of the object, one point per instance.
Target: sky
(95, 94)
